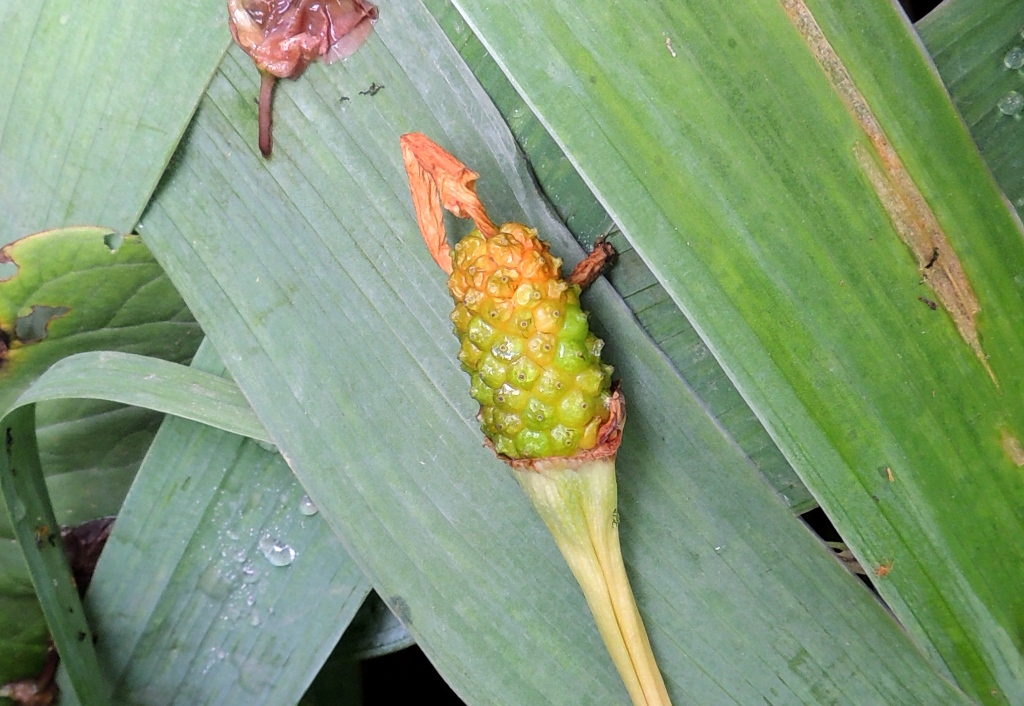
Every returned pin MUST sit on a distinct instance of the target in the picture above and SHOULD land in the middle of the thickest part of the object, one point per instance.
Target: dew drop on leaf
(1011, 104)
(1014, 58)
(277, 553)
(306, 506)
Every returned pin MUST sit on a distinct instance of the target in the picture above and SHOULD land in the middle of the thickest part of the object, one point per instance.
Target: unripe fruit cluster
(535, 368)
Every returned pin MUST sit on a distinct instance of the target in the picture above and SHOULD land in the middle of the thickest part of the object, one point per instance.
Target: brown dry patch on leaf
(438, 180)
(283, 37)
(1013, 448)
(912, 218)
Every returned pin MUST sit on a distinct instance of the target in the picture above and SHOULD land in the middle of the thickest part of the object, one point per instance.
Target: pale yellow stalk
(578, 501)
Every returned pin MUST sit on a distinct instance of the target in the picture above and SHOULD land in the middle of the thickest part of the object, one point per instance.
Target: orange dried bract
(439, 180)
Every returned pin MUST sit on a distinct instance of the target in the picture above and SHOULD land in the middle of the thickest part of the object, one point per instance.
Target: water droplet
(1014, 59)
(277, 553)
(250, 574)
(240, 555)
(254, 618)
(1011, 104)
(306, 506)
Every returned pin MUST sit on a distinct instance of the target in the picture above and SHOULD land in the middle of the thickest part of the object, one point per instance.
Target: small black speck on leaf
(373, 90)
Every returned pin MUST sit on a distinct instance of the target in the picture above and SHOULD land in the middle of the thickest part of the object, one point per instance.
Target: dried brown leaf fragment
(283, 37)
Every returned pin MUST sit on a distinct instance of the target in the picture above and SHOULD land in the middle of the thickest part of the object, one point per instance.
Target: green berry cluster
(534, 365)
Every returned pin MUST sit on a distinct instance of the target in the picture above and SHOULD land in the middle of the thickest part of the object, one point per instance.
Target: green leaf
(93, 101)
(101, 294)
(70, 291)
(27, 503)
(375, 631)
(151, 383)
(210, 521)
(100, 298)
(23, 633)
(310, 278)
(209, 561)
(735, 165)
(976, 47)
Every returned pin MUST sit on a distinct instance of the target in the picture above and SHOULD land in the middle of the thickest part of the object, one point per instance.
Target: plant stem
(577, 501)
(266, 117)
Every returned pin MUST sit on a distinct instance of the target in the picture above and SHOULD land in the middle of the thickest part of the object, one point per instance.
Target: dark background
(394, 678)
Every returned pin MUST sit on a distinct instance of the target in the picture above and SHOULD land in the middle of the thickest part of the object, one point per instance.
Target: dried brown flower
(283, 37)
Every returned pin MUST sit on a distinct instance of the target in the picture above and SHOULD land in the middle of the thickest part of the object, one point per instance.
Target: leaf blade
(244, 630)
(77, 144)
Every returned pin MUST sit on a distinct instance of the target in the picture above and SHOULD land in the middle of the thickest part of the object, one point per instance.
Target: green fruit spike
(547, 404)
(515, 309)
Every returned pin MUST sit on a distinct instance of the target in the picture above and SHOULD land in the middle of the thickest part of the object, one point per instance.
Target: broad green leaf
(734, 164)
(310, 278)
(71, 290)
(93, 99)
(101, 294)
(247, 588)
